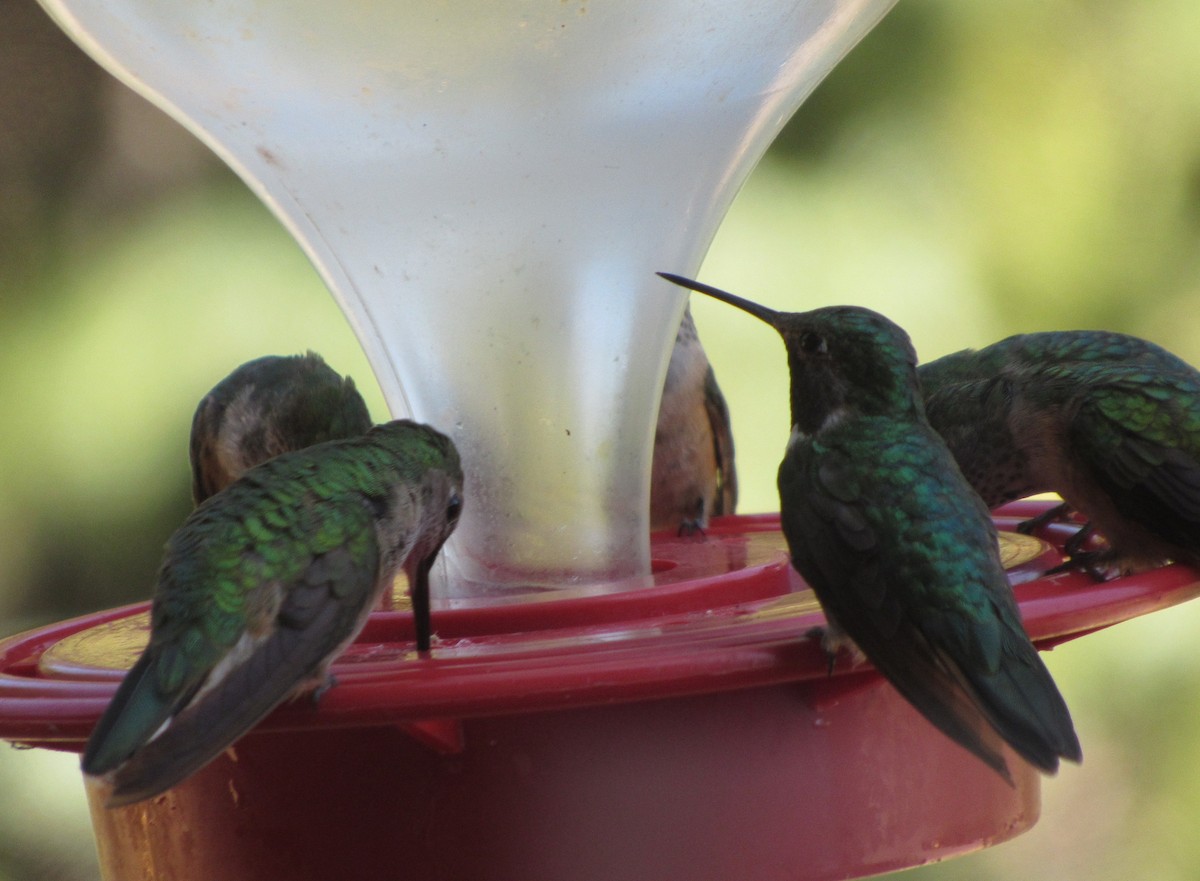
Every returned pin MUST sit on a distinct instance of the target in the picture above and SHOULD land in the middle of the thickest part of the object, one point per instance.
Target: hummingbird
(693, 475)
(1108, 421)
(271, 405)
(263, 586)
(900, 552)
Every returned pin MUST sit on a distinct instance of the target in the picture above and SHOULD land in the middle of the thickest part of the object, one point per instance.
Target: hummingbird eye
(813, 343)
(453, 508)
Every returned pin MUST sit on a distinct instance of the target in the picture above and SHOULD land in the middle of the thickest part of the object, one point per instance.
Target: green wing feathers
(1020, 700)
(224, 574)
(903, 556)
(1139, 439)
(260, 590)
(318, 617)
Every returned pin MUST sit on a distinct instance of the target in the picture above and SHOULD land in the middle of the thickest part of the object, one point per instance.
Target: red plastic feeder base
(683, 730)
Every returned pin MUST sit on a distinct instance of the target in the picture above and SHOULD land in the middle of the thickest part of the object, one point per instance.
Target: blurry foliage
(972, 169)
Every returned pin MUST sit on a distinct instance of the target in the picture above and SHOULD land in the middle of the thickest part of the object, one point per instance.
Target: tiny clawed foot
(319, 691)
(821, 635)
(1050, 515)
(1073, 546)
(1094, 563)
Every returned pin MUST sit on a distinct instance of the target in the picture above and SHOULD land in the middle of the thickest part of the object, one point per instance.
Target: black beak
(770, 316)
(418, 592)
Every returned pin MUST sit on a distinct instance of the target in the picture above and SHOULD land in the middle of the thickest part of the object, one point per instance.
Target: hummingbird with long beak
(693, 476)
(1108, 421)
(263, 587)
(899, 550)
(271, 405)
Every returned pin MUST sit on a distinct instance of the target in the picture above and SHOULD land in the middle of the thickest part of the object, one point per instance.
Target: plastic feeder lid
(725, 611)
(487, 189)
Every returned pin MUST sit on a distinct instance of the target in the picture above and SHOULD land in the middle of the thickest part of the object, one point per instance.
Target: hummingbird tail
(202, 731)
(264, 672)
(136, 712)
(1025, 707)
(948, 707)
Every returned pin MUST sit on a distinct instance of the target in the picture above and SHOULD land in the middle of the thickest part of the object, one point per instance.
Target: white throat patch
(834, 419)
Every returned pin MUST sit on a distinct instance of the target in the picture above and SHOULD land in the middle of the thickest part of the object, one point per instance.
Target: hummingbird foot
(693, 525)
(319, 692)
(1105, 563)
(1044, 519)
(833, 642)
(1098, 564)
(819, 634)
(1073, 547)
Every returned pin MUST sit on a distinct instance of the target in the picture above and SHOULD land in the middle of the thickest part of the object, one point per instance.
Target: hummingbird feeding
(262, 588)
(1108, 421)
(271, 405)
(899, 550)
(693, 476)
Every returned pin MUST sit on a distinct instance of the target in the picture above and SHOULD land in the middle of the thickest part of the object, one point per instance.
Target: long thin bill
(419, 593)
(770, 316)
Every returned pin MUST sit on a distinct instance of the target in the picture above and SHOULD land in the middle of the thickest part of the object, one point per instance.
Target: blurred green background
(973, 169)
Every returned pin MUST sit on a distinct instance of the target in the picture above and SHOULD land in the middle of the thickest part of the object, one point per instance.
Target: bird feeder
(685, 729)
(487, 189)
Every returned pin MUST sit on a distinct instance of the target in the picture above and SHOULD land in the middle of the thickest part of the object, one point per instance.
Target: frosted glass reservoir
(487, 188)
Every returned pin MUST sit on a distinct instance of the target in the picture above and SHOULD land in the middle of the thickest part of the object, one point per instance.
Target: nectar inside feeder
(488, 189)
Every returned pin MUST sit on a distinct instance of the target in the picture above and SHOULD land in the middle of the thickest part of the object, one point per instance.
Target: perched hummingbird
(900, 552)
(263, 586)
(693, 476)
(268, 406)
(1108, 421)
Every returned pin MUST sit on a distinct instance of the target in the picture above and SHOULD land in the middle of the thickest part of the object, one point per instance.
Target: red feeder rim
(721, 611)
(687, 717)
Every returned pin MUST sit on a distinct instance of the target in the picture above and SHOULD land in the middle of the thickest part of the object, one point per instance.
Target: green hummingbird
(271, 405)
(899, 550)
(693, 476)
(1108, 421)
(263, 586)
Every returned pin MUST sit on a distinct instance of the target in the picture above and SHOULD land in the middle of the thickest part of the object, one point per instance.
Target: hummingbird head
(441, 506)
(846, 358)
(271, 405)
(419, 510)
(421, 507)
(316, 405)
(841, 359)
